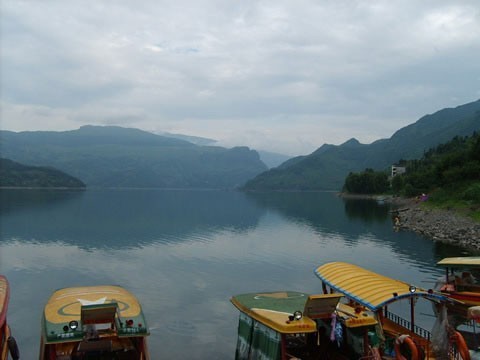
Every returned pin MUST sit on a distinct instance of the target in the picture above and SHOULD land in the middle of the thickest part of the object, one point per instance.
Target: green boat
(287, 325)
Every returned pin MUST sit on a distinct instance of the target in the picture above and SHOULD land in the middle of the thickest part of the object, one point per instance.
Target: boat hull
(4, 329)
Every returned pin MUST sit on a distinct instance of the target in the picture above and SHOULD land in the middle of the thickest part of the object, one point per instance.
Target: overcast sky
(284, 76)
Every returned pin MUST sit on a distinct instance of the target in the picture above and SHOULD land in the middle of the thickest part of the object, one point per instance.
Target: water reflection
(366, 210)
(353, 221)
(319, 210)
(443, 250)
(18, 200)
(184, 253)
(117, 219)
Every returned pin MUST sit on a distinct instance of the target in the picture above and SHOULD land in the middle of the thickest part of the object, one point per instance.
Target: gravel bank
(439, 225)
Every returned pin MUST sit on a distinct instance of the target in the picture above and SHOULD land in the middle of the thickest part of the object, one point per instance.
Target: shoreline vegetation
(443, 225)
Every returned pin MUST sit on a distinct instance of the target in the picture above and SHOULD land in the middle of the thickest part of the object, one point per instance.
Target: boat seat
(472, 288)
(102, 345)
(127, 355)
(461, 285)
(99, 314)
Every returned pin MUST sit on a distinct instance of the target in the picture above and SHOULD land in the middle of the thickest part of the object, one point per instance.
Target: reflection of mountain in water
(324, 211)
(443, 250)
(20, 199)
(366, 210)
(353, 219)
(126, 218)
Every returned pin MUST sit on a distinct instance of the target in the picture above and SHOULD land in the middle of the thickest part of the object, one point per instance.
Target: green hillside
(449, 173)
(13, 174)
(327, 167)
(450, 170)
(121, 157)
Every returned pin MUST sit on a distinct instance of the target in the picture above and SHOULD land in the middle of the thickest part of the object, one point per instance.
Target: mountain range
(327, 167)
(113, 156)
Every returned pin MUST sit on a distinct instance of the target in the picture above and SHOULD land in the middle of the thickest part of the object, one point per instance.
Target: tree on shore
(367, 182)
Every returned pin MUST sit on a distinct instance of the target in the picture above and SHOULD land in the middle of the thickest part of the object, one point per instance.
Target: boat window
(300, 346)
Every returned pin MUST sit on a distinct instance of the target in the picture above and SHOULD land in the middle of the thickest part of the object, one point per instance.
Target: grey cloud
(191, 66)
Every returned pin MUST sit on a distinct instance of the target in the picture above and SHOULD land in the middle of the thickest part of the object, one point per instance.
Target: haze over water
(185, 253)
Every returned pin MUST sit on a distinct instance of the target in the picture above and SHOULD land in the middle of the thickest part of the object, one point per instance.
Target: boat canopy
(368, 288)
(276, 309)
(462, 261)
(70, 311)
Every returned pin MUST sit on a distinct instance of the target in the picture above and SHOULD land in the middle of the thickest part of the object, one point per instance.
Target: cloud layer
(275, 75)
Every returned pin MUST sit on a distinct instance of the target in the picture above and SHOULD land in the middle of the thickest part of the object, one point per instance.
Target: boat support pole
(412, 314)
(324, 288)
(284, 347)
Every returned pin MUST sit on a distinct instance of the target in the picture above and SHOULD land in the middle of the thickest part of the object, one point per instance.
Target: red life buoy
(462, 347)
(405, 339)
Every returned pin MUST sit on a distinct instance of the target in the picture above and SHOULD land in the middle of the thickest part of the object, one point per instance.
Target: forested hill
(113, 156)
(13, 174)
(450, 171)
(327, 167)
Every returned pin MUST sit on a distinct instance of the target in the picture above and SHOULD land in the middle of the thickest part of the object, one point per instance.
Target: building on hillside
(397, 170)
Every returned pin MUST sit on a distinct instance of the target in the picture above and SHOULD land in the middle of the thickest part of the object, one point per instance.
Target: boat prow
(8, 344)
(105, 321)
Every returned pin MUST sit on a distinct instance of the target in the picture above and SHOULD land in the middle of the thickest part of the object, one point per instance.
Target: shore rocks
(440, 225)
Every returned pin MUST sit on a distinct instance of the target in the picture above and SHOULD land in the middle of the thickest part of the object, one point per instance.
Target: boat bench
(95, 346)
(468, 288)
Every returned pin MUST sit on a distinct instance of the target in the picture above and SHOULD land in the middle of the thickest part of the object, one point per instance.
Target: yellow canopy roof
(66, 304)
(460, 261)
(368, 288)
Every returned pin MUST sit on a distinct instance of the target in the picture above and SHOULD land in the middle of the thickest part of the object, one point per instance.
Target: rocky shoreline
(447, 226)
(439, 225)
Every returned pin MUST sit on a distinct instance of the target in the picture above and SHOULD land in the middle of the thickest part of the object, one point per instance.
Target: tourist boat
(101, 322)
(459, 283)
(285, 325)
(468, 327)
(8, 345)
(378, 294)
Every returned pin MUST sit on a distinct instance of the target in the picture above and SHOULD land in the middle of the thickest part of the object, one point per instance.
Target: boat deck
(392, 329)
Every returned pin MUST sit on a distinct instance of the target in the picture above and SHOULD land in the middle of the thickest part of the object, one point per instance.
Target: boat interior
(101, 341)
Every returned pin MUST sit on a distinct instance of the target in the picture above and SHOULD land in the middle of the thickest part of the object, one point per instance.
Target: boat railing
(417, 330)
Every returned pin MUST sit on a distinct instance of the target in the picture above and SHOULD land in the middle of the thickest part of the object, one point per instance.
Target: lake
(185, 253)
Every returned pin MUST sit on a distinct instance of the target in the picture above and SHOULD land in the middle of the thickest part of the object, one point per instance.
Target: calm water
(184, 253)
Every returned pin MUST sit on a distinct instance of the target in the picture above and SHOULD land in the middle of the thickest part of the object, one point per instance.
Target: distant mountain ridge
(327, 167)
(197, 140)
(269, 158)
(114, 156)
